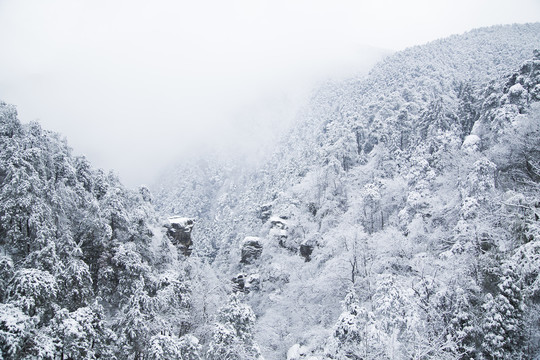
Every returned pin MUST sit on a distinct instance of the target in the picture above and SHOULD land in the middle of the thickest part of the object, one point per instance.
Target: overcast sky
(134, 84)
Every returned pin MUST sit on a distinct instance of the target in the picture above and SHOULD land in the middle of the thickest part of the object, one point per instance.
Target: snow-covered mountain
(398, 219)
(402, 189)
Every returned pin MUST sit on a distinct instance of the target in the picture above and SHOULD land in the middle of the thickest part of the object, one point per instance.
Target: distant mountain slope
(411, 193)
(403, 94)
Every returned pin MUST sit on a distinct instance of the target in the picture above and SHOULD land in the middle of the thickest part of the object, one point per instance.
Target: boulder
(251, 250)
(179, 232)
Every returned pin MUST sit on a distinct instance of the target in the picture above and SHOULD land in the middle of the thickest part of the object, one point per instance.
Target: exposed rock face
(307, 246)
(246, 283)
(179, 232)
(265, 211)
(253, 282)
(279, 229)
(251, 250)
(279, 222)
(239, 282)
(305, 251)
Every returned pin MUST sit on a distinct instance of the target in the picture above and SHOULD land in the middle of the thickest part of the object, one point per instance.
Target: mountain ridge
(399, 218)
(379, 146)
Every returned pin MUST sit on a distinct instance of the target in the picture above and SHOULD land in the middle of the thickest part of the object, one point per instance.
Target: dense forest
(398, 218)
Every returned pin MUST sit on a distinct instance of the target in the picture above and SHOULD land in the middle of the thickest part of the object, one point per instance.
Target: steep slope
(410, 193)
(86, 270)
(410, 196)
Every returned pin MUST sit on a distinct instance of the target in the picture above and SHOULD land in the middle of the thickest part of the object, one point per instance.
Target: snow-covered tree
(354, 335)
(15, 328)
(232, 335)
(503, 321)
(164, 347)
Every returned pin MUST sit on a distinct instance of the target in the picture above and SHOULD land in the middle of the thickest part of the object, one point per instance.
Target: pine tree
(232, 336)
(165, 347)
(34, 292)
(15, 328)
(82, 334)
(503, 322)
(134, 323)
(354, 335)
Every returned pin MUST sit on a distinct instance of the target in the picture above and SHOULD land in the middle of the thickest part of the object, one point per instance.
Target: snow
(12, 318)
(471, 144)
(296, 352)
(379, 223)
(181, 221)
(516, 90)
(277, 220)
(279, 232)
(249, 239)
(254, 277)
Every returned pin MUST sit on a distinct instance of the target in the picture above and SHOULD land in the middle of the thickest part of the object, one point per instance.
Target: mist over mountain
(397, 218)
(371, 182)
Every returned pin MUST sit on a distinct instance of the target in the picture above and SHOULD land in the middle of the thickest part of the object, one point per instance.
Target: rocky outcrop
(251, 250)
(239, 282)
(246, 283)
(179, 232)
(307, 246)
(279, 229)
(305, 251)
(279, 222)
(264, 213)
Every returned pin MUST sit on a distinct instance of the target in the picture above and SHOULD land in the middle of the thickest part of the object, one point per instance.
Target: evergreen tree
(503, 322)
(232, 336)
(354, 335)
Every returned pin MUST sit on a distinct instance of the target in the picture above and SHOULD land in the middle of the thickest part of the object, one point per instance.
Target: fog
(137, 85)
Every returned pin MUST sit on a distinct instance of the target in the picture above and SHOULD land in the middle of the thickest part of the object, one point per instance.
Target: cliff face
(179, 233)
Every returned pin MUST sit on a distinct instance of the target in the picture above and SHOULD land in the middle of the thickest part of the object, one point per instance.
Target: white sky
(135, 84)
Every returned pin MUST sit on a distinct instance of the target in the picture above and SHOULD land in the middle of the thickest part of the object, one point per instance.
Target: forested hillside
(399, 218)
(409, 196)
(86, 269)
